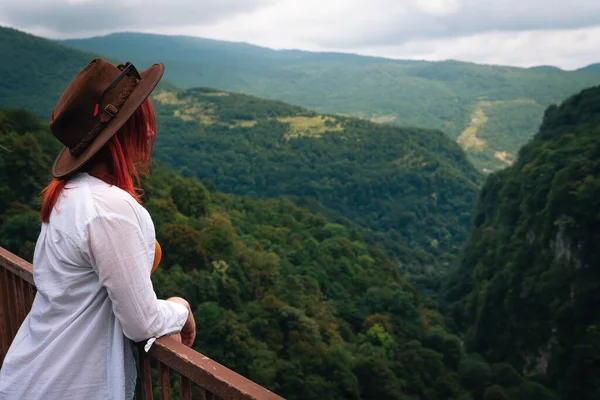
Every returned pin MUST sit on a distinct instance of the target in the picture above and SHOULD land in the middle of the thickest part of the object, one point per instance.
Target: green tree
(19, 233)
(474, 374)
(190, 197)
(495, 392)
(183, 245)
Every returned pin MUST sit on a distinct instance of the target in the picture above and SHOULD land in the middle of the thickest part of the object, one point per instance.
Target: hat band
(109, 112)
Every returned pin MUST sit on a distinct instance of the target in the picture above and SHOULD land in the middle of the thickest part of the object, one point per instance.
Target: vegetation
(591, 67)
(412, 187)
(35, 71)
(26, 77)
(516, 118)
(436, 95)
(527, 288)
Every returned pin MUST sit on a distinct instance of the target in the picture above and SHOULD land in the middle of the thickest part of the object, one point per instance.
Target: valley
(479, 140)
(411, 187)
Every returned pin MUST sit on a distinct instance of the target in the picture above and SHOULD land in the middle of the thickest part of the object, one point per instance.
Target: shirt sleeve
(120, 256)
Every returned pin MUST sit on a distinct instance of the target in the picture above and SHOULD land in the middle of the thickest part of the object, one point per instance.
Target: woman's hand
(188, 332)
(176, 337)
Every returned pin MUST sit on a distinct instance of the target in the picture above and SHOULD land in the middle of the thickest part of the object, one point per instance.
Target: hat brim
(65, 164)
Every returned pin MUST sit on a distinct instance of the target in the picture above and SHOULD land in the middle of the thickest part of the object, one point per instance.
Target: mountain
(527, 289)
(490, 110)
(591, 67)
(546, 68)
(35, 71)
(31, 66)
(413, 187)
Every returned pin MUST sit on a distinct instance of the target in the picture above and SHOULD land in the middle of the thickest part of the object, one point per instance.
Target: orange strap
(157, 256)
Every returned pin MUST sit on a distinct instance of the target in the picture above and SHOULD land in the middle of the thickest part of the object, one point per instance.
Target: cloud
(76, 18)
(510, 32)
(333, 22)
(514, 32)
(567, 49)
(364, 23)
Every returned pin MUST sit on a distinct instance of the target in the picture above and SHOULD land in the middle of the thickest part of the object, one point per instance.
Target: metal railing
(214, 381)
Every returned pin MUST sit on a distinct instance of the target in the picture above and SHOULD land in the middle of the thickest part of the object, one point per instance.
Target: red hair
(126, 155)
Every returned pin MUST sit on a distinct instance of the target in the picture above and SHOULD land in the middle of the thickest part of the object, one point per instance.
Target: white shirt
(94, 298)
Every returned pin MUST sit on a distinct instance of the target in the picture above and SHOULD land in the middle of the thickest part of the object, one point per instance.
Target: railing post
(146, 374)
(10, 318)
(4, 329)
(185, 388)
(164, 381)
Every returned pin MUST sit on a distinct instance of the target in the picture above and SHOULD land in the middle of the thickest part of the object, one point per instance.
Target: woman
(94, 255)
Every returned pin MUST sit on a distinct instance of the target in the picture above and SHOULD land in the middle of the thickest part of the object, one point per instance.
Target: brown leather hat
(97, 102)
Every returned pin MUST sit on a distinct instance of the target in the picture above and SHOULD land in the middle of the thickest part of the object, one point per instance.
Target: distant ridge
(591, 68)
(223, 45)
(545, 68)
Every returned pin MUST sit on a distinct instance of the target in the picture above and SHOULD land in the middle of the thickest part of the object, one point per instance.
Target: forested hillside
(287, 298)
(591, 67)
(413, 187)
(491, 110)
(528, 287)
(35, 71)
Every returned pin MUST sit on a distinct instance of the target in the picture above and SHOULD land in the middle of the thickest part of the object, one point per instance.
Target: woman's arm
(120, 256)
(188, 332)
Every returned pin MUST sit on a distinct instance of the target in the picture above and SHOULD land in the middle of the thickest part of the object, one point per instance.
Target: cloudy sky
(565, 33)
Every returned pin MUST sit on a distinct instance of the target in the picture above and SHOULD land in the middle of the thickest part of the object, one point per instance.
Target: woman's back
(95, 252)
(71, 337)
